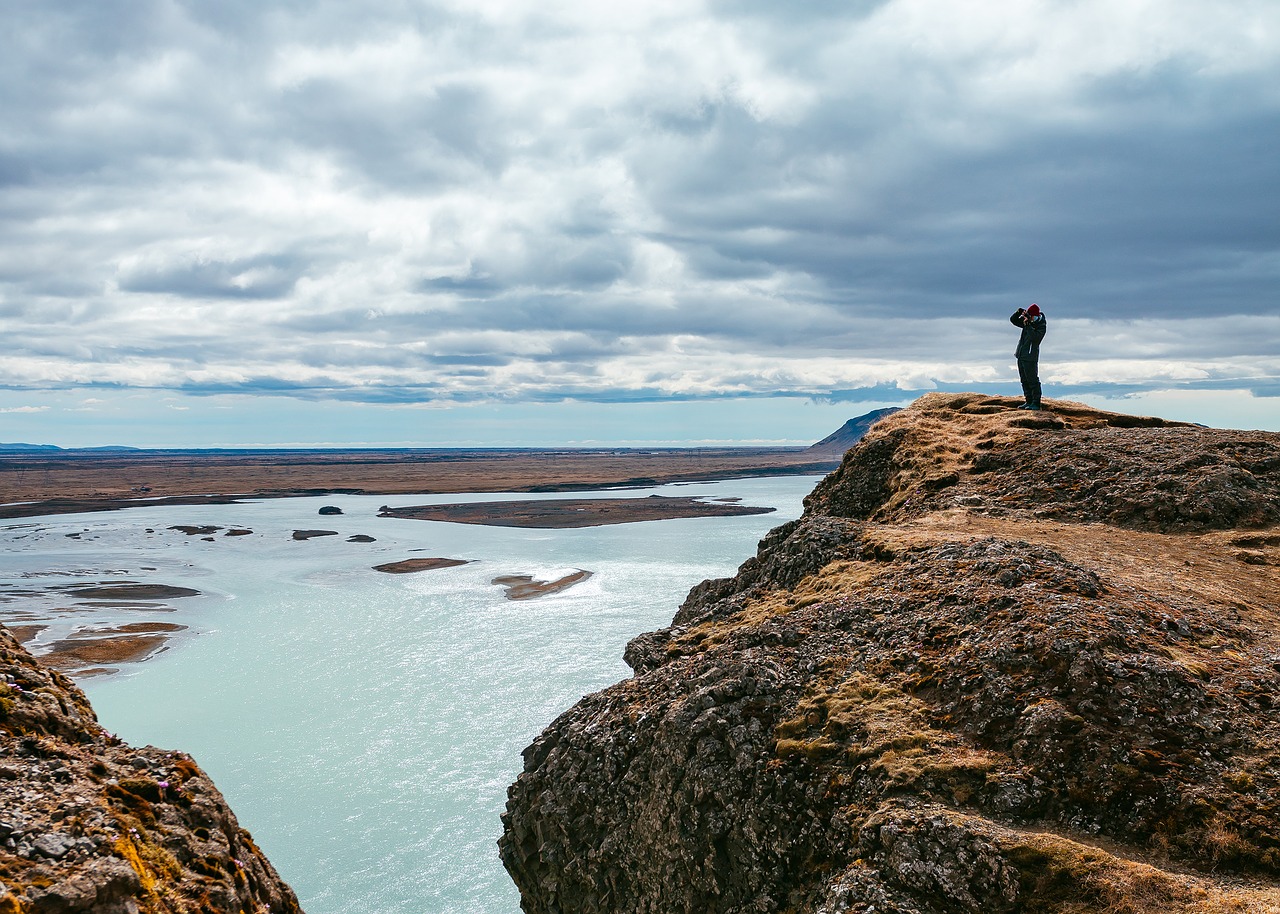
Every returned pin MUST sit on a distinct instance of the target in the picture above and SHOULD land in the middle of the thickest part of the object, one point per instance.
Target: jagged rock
(940, 688)
(93, 825)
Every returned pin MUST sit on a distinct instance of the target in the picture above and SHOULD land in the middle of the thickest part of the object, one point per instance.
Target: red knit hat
(1034, 310)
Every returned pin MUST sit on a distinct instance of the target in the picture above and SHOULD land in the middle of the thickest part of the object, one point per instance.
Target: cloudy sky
(515, 222)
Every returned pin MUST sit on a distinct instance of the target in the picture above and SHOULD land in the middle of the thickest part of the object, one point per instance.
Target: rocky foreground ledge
(89, 824)
(1004, 662)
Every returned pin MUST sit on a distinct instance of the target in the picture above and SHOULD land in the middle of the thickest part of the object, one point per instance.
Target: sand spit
(562, 513)
(88, 650)
(525, 587)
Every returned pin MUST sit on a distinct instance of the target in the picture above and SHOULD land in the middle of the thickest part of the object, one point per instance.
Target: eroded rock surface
(966, 680)
(90, 824)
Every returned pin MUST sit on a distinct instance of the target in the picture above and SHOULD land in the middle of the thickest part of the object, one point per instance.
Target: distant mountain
(849, 434)
(18, 448)
(14, 448)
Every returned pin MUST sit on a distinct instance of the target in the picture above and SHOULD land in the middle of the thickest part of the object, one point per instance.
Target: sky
(508, 222)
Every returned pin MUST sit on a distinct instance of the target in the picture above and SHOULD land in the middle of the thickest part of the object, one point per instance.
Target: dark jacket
(1032, 333)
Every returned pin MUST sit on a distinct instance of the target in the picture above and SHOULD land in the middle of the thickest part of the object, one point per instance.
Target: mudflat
(561, 513)
(72, 482)
(408, 566)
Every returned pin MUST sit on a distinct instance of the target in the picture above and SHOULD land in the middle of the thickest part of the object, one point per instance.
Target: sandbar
(132, 592)
(524, 587)
(74, 653)
(411, 565)
(560, 513)
(26, 633)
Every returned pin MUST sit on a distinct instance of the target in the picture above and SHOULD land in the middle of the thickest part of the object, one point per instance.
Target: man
(1033, 327)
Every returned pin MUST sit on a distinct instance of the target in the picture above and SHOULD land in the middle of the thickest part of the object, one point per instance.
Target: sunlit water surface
(365, 726)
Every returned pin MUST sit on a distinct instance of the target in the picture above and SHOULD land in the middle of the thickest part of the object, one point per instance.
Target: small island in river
(408, 566)
(561, 513)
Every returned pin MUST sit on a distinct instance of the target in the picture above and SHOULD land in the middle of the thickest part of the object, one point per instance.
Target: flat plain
(61, 482)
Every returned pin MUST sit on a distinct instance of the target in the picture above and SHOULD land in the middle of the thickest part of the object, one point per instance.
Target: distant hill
(849, 434)
(19, 448)
(15, 448)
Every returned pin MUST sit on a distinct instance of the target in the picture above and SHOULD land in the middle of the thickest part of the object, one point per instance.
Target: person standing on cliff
(1033, 327)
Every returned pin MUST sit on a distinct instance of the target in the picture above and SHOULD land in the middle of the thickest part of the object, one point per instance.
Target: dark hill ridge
(853, 431)
(1003, 663)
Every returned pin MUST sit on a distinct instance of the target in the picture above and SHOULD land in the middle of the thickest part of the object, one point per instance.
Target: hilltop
(1003, 662)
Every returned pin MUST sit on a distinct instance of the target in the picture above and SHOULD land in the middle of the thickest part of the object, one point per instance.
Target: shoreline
(96, 644)
(45, 487)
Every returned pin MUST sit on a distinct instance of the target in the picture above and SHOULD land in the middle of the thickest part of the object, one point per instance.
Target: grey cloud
(769, 205)
(433, 140)
(1164, 218)
(262, 277)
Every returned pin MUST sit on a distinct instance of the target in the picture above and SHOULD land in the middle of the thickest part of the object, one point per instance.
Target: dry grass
(1064, 875)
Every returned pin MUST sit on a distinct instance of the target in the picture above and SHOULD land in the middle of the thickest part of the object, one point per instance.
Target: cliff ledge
(90, 824)
(1006, 661)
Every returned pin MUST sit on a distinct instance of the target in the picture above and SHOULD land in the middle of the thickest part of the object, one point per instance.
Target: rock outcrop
(849, 434)
(1004, 662)
(90, 824)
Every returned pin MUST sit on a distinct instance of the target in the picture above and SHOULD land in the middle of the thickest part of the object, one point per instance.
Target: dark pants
(1029, 375)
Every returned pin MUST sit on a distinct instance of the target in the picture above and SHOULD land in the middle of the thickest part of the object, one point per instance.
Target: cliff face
(89, 824)
(1004, 662)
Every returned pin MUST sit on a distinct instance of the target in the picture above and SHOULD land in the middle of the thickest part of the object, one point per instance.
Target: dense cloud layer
(405, 201)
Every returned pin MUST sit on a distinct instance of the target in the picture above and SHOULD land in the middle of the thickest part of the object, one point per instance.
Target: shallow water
(365, 726)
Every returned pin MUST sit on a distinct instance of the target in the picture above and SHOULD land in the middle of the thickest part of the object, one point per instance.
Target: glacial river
(365, 726)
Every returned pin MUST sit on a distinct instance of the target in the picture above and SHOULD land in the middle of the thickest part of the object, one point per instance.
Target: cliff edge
(1005, 661)
(90, 824)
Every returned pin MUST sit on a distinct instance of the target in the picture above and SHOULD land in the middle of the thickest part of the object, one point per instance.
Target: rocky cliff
(89, 824)
(1004, 662)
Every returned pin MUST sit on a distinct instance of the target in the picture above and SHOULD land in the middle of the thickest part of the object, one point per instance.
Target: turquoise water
(365, 726)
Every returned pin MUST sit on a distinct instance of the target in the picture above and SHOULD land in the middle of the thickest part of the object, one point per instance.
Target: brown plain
(78, 482)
